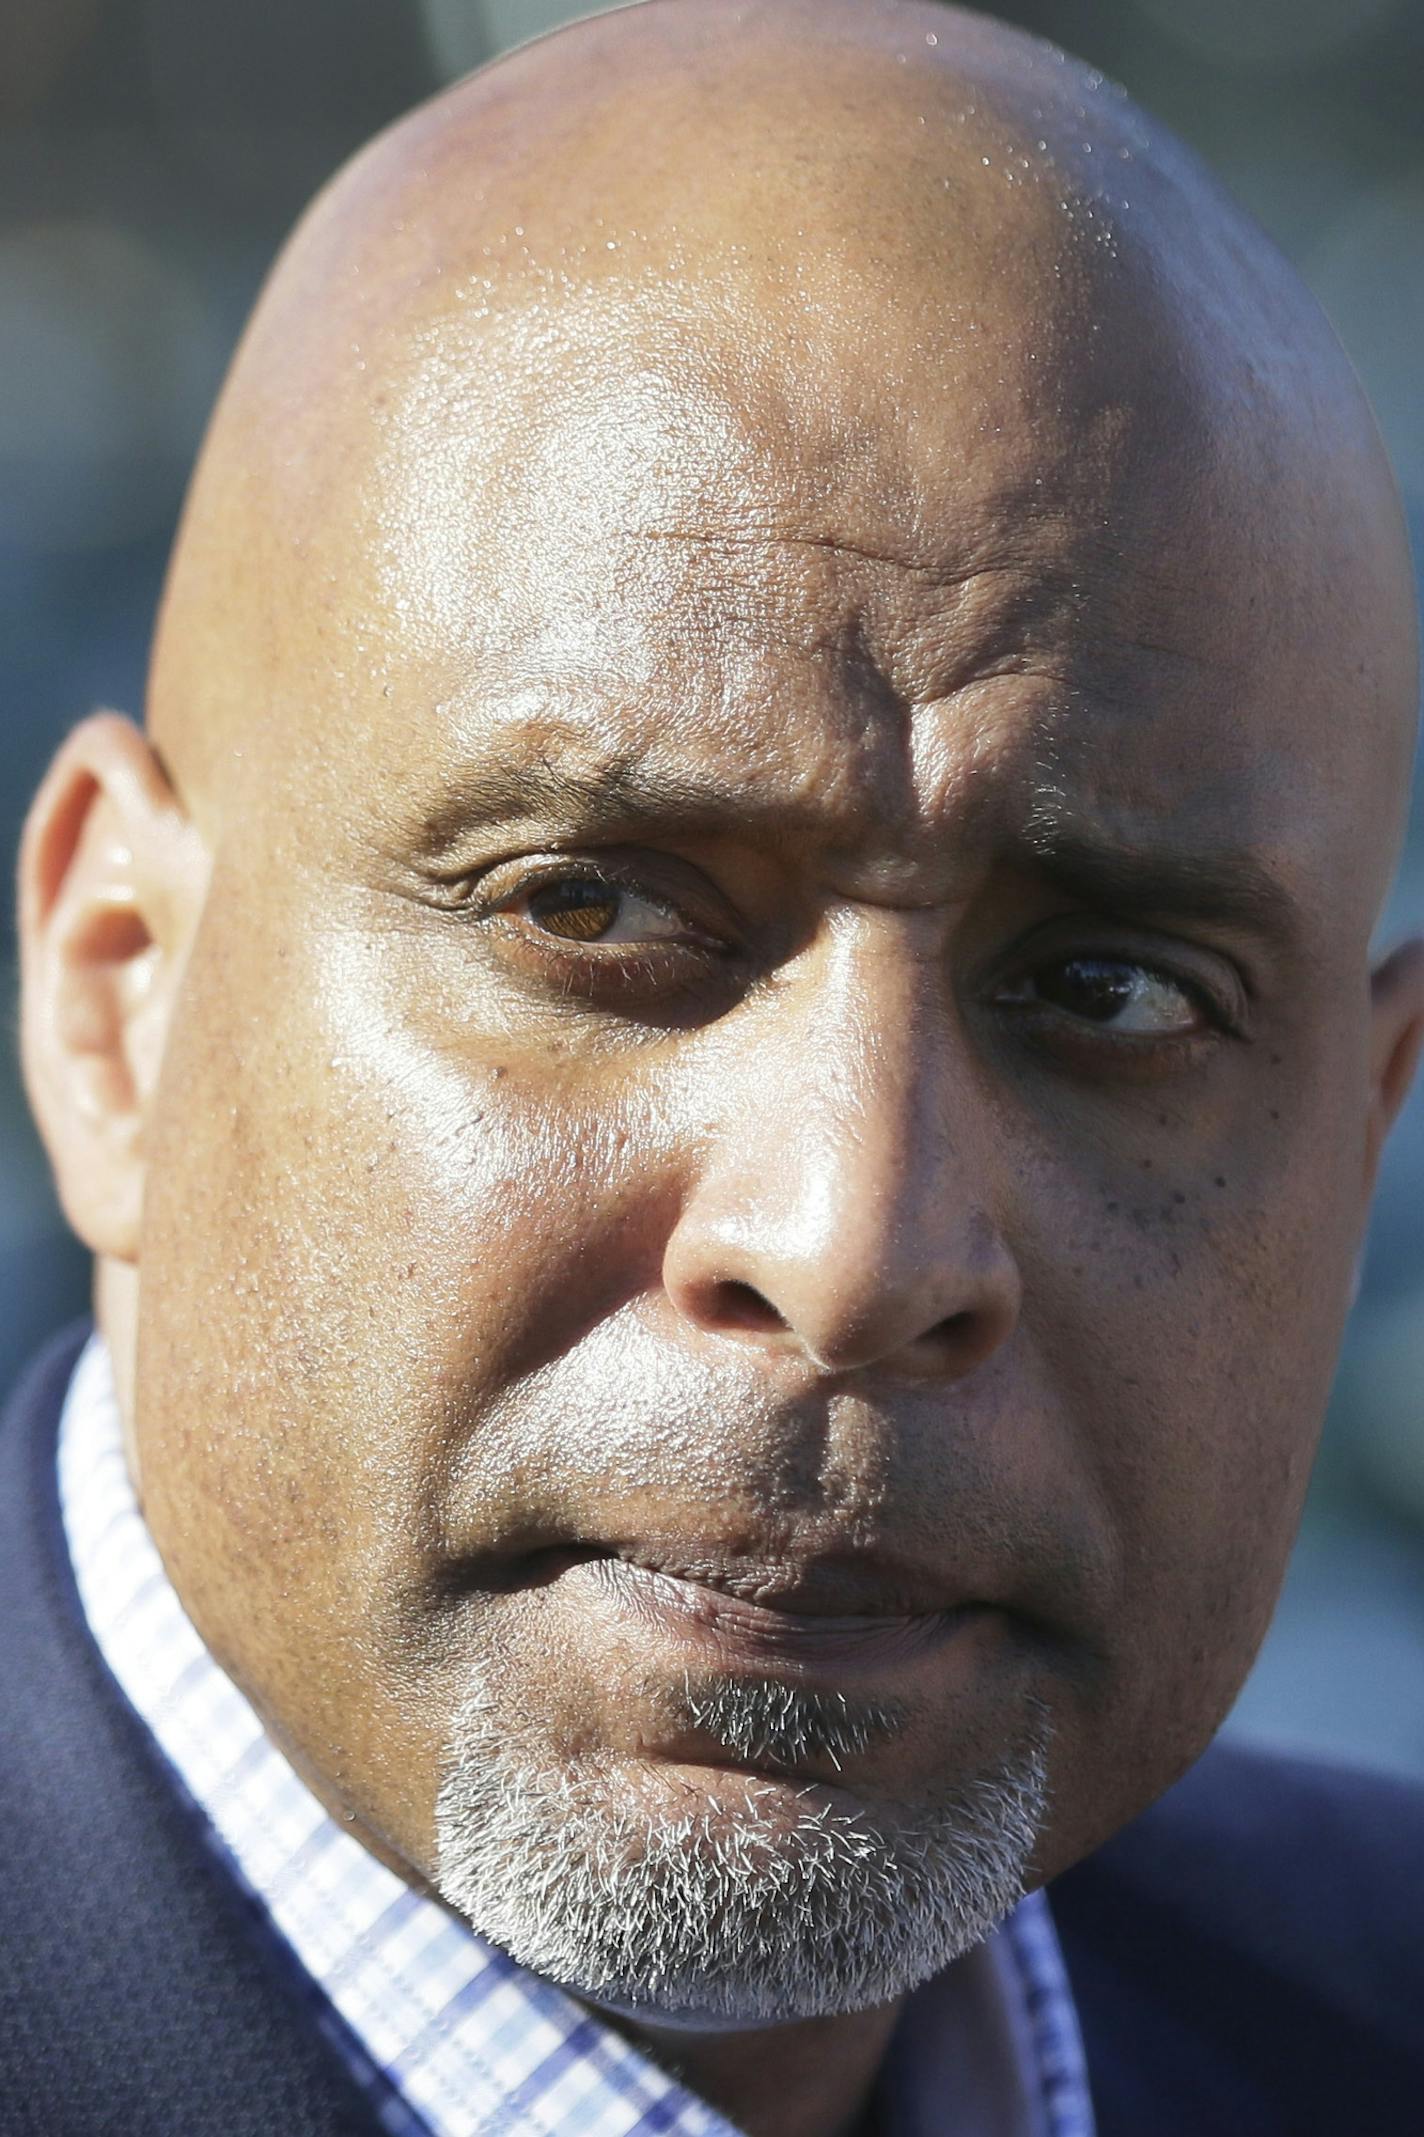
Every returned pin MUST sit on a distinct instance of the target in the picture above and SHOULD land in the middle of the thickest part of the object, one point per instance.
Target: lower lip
(723, 1631)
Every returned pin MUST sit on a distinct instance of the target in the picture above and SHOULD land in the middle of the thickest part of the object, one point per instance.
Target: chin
(705, 1896)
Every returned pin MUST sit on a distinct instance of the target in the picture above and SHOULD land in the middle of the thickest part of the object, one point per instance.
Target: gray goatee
(745, 1911)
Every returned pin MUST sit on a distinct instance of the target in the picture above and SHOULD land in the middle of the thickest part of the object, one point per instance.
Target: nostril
(739, 1305)
(959, 1342)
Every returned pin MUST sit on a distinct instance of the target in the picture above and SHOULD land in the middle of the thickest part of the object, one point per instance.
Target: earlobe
(1397, 1035)
(112, 875)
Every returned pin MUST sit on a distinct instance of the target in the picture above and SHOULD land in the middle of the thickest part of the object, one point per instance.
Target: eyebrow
(618, 792)
(1228, 885)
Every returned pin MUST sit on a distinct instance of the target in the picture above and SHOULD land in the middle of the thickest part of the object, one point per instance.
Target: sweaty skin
(846, 489)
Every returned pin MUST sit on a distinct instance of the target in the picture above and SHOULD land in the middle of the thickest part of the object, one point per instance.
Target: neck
(813, 2078)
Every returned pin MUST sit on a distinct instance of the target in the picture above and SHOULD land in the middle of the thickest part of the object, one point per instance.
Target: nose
(842, 1209)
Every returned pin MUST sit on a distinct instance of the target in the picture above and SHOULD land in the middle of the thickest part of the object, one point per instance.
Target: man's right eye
(591, 910)
(634, 938)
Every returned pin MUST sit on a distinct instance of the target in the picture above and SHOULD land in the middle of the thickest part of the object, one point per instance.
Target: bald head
(858, 227)
(812, 247)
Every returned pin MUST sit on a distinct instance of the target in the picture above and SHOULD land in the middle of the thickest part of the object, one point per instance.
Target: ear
(1396, 1036)
(112, 879)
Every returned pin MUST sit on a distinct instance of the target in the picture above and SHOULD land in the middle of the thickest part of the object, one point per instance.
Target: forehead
(659, 515)
(618, 476)
(865, 561)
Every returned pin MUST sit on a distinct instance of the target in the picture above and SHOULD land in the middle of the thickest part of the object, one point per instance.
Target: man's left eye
(1116, 994)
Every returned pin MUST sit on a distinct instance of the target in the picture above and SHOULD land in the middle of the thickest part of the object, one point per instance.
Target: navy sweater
(1248, 1957)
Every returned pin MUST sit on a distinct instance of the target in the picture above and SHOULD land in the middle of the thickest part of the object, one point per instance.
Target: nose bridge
(848, 1137)
(839, 1208)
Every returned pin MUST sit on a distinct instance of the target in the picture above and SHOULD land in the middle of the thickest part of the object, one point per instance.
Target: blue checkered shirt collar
(448, 2037)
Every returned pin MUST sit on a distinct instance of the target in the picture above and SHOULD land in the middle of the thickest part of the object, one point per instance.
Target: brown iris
(580, 912)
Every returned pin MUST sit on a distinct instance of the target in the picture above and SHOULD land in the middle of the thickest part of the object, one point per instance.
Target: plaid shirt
(447, 2035)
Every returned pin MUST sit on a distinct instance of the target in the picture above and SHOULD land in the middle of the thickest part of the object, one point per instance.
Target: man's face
(793, 1020)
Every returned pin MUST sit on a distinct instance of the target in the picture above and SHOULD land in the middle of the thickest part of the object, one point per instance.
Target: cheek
(356, 1237)
(1187, 1313)
(352, 1246)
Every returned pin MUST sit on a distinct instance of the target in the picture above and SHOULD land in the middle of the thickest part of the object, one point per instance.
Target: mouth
(830, 1619)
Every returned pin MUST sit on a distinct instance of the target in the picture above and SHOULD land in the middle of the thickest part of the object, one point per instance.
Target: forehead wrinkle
(1060, 545)
(563, 770)
(912, 630)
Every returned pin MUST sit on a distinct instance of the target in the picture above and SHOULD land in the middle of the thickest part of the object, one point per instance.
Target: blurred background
(152, 155)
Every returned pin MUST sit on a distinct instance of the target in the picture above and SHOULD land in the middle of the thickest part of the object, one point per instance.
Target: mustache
(623, 1440)
(761, 1722)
